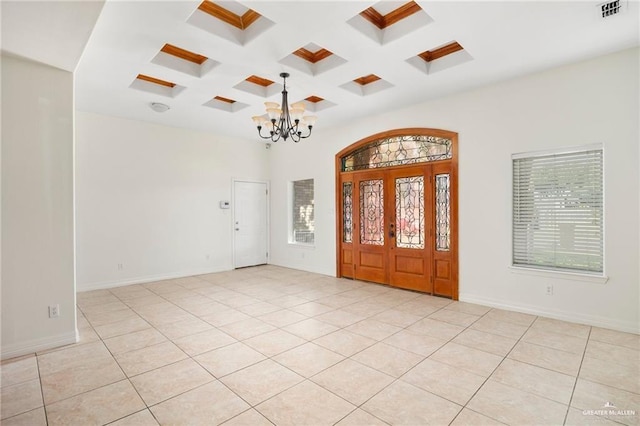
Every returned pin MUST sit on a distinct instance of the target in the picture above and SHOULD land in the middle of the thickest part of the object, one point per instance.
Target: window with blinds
(558, 210)
(302, 213)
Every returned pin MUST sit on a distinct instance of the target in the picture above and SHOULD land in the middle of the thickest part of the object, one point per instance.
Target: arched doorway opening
(397, 210)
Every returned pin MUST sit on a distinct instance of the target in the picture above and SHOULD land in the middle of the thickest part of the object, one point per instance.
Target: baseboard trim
(101, 285)
(593, 320)
(293, 265)
(36, 345)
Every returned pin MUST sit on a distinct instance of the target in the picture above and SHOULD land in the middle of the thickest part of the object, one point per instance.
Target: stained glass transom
(443, 212)
(371, 212)
(396, 151)
(347, 212)
(410, 212)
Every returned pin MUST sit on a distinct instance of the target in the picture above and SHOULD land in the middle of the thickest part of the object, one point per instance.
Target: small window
(302, 213)
(558, 211)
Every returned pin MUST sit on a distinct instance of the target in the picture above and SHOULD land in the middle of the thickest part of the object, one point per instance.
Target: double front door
(396, 227)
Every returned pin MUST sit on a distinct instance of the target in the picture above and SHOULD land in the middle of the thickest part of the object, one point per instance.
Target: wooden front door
(391, 227)
(395, 226)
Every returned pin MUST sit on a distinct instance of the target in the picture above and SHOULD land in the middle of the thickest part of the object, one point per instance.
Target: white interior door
(250, 223)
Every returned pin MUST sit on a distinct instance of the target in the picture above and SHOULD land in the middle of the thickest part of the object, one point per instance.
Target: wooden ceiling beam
(396, 15)
(367, 79)
(259, 81)
(227, 100)
(183, 54)
(225, 15)
(312, 57)
(155, 81)
(432, 55)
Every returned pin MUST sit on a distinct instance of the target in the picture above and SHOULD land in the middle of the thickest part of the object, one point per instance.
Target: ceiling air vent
(609, 9)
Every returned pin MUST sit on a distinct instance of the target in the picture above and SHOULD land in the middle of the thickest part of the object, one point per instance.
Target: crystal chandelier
(286, 122)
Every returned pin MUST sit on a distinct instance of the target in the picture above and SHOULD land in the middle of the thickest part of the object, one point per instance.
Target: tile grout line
(125, 374)
(350, 357)
(127, 377)
(204, 368)
(492, 372)
(305, 379)
(395, 379)
(575, 383)
(148, 407)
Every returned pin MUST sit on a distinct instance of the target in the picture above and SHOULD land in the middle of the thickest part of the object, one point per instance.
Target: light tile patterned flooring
(270, 345)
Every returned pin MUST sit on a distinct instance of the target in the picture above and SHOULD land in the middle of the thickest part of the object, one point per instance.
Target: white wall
(590, 102)
(147, 197)
(37, 207)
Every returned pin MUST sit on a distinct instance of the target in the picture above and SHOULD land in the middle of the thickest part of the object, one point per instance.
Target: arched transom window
(396, 151)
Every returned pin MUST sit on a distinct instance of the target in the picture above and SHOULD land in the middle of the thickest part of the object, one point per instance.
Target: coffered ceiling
(215, 63)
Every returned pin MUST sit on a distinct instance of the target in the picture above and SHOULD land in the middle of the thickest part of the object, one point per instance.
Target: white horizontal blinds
(558, 211)
(303, 212)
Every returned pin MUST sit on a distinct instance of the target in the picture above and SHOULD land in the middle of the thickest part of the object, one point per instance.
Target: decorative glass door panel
(347, 227)
(347, 212)
(443, 212)
(410, 212)
(372, 212)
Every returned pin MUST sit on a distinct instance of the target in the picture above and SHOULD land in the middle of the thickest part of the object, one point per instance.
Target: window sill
(302, 245)
(572, 276)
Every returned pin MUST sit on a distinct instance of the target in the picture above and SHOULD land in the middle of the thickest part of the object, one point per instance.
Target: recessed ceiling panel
(225, 104)
(259, 86)
(440, 58)
(230, 20)
(183, 60)
(156, 86)
(366, 85)
(313, 59)
(315, 103)
(387, 21)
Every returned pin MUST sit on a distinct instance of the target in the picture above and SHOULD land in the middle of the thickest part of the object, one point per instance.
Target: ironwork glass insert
(396, 151)
(347, 212)
(443, 212)
(410, 212)
(371, 212)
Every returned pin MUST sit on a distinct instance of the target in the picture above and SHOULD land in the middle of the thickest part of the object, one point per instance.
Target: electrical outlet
(54, 311)
(549, 290)
(120, 266)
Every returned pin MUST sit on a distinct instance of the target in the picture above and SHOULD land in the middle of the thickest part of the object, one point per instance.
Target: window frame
(290, 220)
(550, 272)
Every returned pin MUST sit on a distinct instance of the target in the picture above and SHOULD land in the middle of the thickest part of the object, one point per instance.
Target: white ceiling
(505, 39)
(51, 32)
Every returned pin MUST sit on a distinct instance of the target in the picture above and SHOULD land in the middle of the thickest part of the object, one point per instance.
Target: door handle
(392, 231)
